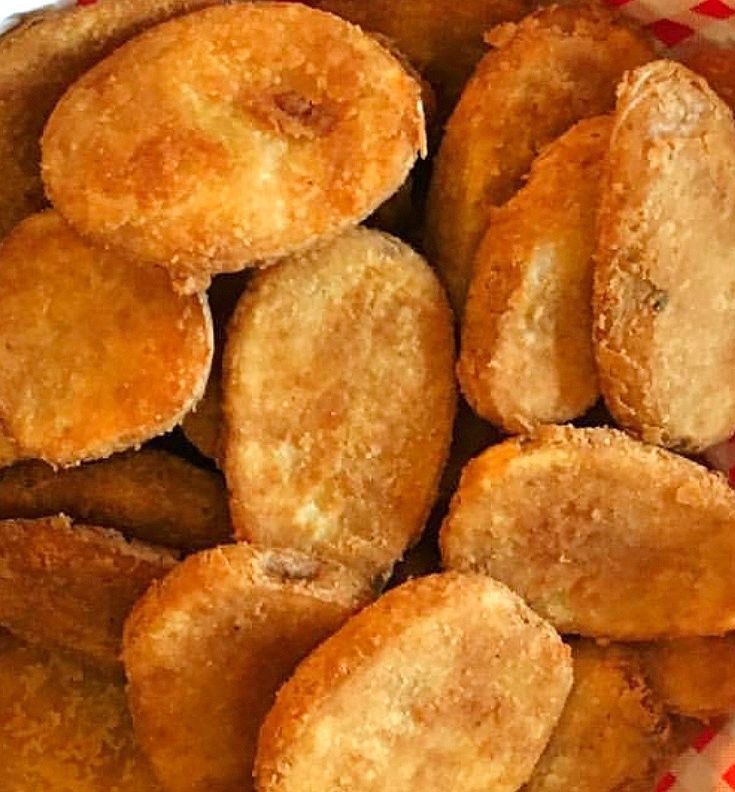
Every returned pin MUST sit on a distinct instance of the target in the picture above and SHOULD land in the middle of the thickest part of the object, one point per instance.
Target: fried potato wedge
(38, 62)
(694, 676)
(442, 40)
(73, 585)
(232, 153)
(717, 66)
(207, 648)
(556, 67)
(664, 313)
(99, 353)
(65, 727)
(613, 733)
(452, 667)
(339, 399)
(148, 495)
(528, 315)
(600, 534)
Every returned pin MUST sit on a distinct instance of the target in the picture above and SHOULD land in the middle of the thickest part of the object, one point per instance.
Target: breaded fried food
(339, 399)
(38, 61)
(73, 585)
(442, 40)
(65, 726)
(613, 733)
(559, 65)
(717, 66)
(446, 682)
(149, 495)
(232, 153)
(694, 676)
(207, 648)
(664, 312)
(8, 451)
(528, 316)
(99, 353)
(600, 534)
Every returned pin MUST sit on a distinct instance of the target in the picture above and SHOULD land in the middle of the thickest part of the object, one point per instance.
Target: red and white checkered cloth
(709, 765)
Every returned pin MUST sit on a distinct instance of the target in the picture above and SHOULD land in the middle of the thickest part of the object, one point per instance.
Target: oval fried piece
(148, 495)
(231, 152)
(73, 585)
(694, 676)
(339, 399)
(613, 733)
(600, 534)
(664, 313)
(207, 648)
(451, 668)
(65, 726)
(556, 67)
(528, 315)
(116, 356)
(442, 40)
(38, 61)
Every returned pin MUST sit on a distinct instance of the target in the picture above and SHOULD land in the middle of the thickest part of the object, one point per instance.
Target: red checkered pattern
(708, 766)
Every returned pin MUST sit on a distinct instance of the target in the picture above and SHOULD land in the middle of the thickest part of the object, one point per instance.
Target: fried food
(556, 67)
(38, 62)
(442, 40)
(528, 315)
(148, 495)
(65, 727)
(231, 153)
(664, 312)
(717, 66)
(600, 534)
(8, 452)
(339, 400)
(73, 585)
(613, 732)
(446, 682)
(207, 648)
(99, 353)
(694, 676)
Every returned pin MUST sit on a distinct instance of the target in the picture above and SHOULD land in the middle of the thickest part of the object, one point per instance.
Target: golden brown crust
(38, 61)
(207, 648)
(442, 40)
(148, 495)
(117, 356)
(556, 67)
(450, 667)
(339, 399)
(694, 676)
(717, 66)
(613, 733)
(230, 153)
(73, 585)
(665, 311)
(65, 727)
(528, 316)
(602, 535)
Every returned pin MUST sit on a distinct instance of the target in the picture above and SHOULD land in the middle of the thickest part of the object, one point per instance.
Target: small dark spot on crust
(290, 113)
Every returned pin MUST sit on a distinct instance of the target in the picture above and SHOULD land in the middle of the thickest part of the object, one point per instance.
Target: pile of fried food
(184, 183)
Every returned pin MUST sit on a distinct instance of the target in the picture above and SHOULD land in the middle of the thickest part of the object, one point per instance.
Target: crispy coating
(231, 153)
(528, 315)
(207, 648)
(339, 399)
(613, 733)
(717, 66)
(73, 585)
(38, 62)
(148, 495)
(446, 682)
(602, 535)
(442, 40)
(116, 356)
(664, 312)
(556, 67)
(8, 451)
(65, 727)
(694, 676)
